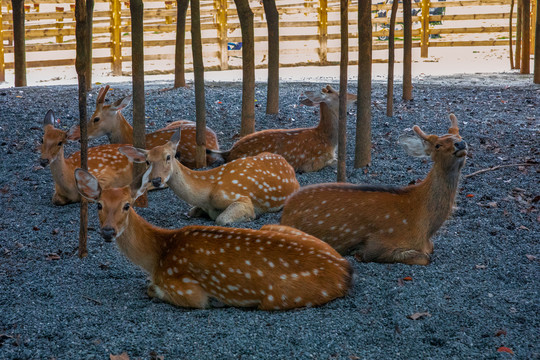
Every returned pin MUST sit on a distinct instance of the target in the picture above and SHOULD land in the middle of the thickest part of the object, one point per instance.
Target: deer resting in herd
(237, 191)
(107, 120)
(111, 167)
(274, 268)
(385, 224)
(306, 149)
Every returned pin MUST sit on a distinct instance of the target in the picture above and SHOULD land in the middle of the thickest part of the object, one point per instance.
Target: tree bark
(180, 49)
(391, 56)
(248, 67)
(198, 67)
(272, 21)
(344, 63)
(19, 43)
(362, 156)
(407, 50)
(526, 32)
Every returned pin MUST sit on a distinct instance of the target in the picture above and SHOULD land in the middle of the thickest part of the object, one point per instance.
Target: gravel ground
(480, 292)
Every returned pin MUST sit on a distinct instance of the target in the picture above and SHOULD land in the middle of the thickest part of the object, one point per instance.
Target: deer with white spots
(274, 268)
(385, 224)
(106, 162)
(107, 120)
(306, 149)
(237, 191)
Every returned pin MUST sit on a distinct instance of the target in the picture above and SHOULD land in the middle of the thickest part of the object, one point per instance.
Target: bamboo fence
(309, 31)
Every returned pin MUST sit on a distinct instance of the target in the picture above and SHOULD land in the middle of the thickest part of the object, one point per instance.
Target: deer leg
(240, 210)
(393, 255)
(197, 212)
(179, 293)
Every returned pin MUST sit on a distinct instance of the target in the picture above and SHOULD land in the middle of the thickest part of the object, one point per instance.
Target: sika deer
(275, 268)
(110, 166)
(236, 191)
(107, 120)
(385, 224)
(306, 149)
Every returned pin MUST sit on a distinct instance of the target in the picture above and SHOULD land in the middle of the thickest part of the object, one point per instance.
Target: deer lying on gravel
(107, 120)
(111, 167)
(385, 224)
(275, 268)
(306, 149)
(234, 192)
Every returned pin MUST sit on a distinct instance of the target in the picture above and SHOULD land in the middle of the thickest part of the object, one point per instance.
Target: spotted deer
(237, 191)
(107, 120)
(306, 149)
(274, 268)
(110, 166)
(385, 224)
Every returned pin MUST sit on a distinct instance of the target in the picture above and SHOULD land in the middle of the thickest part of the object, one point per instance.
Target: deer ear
(175, 139)
(121, 103)
(87, 184)
(413, 145)
(140, 183)
(312, 99)
(134, 154)
(49, 118)
(74, 133)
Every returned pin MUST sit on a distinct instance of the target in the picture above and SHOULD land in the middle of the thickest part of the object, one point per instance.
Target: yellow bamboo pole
(323, 31)
(116, 41)
(60, 24)
(424, 22)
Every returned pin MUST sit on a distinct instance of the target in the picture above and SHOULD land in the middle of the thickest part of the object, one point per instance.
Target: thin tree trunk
(536, 78)
(89, 34)
(510, 35)
(198, 67)
(81, 66)
(19, 42)
(391, 55)
(344, 63)
(272, 21)
(526, 43)
(407, 50)
(137, 55)
(362, 156)
(518, 34)
(180, 49)
(248, 67)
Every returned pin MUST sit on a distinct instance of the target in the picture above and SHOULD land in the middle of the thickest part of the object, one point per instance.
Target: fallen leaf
(52, 256)
(55, 231)
(407, 278)
(35, 228)
(419, 315)
(480, 267)
(500, 332)
(122, 356)
(523, 227)
(469, 195)
(505, 349)
(531, 257)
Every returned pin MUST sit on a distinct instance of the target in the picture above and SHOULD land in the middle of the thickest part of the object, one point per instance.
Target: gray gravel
(481, 290)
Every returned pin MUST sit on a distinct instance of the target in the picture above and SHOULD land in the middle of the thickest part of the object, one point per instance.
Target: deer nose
(462, 145)
(108, 233)
(44, 162)
(156, 182)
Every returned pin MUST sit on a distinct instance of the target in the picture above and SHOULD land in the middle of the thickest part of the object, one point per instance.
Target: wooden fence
(309, 31)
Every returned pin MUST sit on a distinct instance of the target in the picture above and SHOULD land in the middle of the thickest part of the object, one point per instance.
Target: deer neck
(121, 132)
(62, 173)
(142, 242)
(187, 184)
(328, 124)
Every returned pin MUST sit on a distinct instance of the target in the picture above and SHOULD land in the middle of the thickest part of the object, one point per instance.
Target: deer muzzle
(461, 148)
(44, 162)
(156, 182)
(108, 233)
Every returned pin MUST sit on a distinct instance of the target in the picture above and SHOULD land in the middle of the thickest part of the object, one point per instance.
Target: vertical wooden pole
(407, 50)
(526, 44)
(180, 47)
(81, 64)
(19, 42)
(511, 35)
(198, 68)
(343, 65)
(323, 32)
(391, 55)
(89, 34)
(2, 53)
(116, 37)
(272, 21)
(59, 24)
(534, 24)
(221, 8)
(362, 151)
(518, 33)
(536, 78)
(424, 30)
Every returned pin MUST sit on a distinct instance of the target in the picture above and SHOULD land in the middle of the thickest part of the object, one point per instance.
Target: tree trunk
(391, 55)
(526, 32)
(81, 66)
(198, 67)
(407, 50)
(89, 34)
(510, 35)
(536, 78)
(362, 156)
(519, 14)
(272, 21)
(19, 42)
(180, 49)
(137, 55)
(344, 63)
(248, 67)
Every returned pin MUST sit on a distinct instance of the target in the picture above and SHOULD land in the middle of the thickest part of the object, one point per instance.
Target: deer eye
(96, 119)
(126, 207)
(99, 206)
(147, 162)
(168, 157)
(437, 146)
(60, 143)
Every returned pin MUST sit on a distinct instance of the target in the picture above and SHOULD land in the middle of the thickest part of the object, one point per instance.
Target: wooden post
(526, 43)
(116, 37)
(19, 42)
(362, 150)
(2, 54)
(59, 24)
(343, 64)
(534, 24)
(536, 78)
(519, 14)
(424, 30)
(89, 34)
(81, 64)
(272, 21)
(391, 55)
(180, 46)
(198, 68)
(221, 8)
(511, 35)
(323, 32)
(407, 50)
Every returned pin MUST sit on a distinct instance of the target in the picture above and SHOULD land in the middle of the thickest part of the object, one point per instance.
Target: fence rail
(309, 31)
